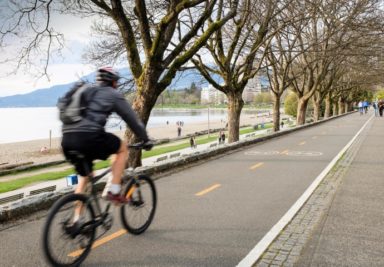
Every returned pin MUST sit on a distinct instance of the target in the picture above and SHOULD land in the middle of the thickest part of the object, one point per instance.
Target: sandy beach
(30, 151)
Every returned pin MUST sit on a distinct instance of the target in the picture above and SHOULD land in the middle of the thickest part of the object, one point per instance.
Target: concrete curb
(59, 162)
(32, 204)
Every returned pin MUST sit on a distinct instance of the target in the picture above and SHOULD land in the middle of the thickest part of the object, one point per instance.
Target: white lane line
(265, 242)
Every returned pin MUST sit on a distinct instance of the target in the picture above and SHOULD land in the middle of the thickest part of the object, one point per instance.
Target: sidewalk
(62, 183)
(351, 233)
(341, 223)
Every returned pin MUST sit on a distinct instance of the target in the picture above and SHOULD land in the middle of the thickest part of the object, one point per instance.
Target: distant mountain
(47, 97)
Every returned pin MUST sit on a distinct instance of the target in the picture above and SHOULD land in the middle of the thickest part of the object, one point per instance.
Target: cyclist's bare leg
(118, 164)
(80, 189)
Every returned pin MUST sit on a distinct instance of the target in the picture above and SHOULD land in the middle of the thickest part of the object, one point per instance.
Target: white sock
(115, 189)
(76, 217)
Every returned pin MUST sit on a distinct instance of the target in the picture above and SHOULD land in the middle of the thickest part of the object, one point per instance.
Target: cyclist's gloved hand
(147, 145)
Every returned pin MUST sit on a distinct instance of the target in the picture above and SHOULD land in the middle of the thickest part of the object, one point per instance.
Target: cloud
(59, 74)
(65, 67)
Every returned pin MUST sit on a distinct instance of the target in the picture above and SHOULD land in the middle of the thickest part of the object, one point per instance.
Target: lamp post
(208, 123)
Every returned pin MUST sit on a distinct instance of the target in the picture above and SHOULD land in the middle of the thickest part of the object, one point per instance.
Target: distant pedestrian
(179, 131)
(381, 107)
(376, 108)
(222, 137)
(365, 106)
(361, 108)
(167, 122)
(192, 142)
(282, 124)
(219, 137)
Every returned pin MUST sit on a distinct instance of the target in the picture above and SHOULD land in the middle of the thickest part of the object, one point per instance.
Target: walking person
(223, 137)
(376, 108)
(360, 106)
(178, 131)
(381, 107)
(192, 142)
(365, 106)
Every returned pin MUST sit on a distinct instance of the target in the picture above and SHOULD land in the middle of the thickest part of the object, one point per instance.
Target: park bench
(43, 190)
(175, 155)
(11, 198)
(162, 158)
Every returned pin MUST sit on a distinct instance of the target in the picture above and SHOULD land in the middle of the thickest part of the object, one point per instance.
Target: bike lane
(214, 213)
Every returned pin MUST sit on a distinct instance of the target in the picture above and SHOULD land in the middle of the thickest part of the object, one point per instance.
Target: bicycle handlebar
(139, 145)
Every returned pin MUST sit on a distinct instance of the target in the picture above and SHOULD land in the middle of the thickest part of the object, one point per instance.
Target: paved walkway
(351, 233)
(62, 183)
(342, 224)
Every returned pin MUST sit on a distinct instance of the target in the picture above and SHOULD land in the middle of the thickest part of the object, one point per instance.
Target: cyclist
(90, 138)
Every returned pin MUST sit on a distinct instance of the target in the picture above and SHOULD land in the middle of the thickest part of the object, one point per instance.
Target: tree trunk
(144, 102)
(276, 112)
(316, 110)
(350, 104)
(301, 110)
(346, 107)
(235, 105)
(341, 106)
(334, 109)
(327, 112)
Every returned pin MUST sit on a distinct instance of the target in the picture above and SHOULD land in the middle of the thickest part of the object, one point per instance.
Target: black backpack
(72, 106)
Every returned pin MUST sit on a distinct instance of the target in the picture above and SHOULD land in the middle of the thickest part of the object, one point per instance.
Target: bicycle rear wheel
(66, 243)
(138, 213)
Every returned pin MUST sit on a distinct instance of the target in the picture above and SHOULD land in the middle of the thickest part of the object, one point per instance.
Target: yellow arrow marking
(314, 137)
(285, 152)
(209, 189)
(302, 143)
(256, 166)
(99, 242)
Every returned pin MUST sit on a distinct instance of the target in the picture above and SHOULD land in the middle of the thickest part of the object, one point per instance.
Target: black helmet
(107, 74)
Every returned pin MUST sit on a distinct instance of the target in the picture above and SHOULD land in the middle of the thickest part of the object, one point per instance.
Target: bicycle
(59, 227)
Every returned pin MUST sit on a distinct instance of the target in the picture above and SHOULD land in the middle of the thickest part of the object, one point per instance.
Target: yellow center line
(99, 242)
(205, 191)
(302, 143)
(285, 152)
(256, 165)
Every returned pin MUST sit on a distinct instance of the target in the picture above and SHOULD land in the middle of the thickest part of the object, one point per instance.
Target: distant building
(210, 95)
(255, 86)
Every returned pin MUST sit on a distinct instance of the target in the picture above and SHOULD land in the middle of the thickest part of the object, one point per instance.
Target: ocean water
(24, 124)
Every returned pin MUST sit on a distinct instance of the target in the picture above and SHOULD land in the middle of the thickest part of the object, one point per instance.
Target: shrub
(290, 104)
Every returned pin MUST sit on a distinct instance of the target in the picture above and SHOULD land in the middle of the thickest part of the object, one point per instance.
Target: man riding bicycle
(89, 137)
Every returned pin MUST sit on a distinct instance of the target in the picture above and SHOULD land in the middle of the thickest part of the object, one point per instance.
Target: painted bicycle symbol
(257, 152)
(288, 153)
(304, 153)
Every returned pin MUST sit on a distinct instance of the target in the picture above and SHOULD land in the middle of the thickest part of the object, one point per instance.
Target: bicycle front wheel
(138, 213)
(66, 243)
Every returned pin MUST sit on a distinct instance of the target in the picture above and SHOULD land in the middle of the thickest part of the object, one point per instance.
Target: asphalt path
(211, 214)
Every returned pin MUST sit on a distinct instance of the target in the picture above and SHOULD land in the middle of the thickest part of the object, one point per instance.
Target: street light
(208, 122)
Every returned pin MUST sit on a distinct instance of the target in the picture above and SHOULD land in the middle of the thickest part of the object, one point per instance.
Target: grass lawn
(19, 183)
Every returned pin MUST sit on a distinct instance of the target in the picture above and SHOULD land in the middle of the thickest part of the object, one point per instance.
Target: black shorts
(93, 145)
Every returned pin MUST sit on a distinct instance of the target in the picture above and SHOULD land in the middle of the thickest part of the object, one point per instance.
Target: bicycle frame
(93, 199)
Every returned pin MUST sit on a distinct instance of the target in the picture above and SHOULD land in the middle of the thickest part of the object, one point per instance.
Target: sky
(67, 68)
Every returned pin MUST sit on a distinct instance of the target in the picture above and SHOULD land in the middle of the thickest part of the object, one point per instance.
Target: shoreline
(30, 151)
